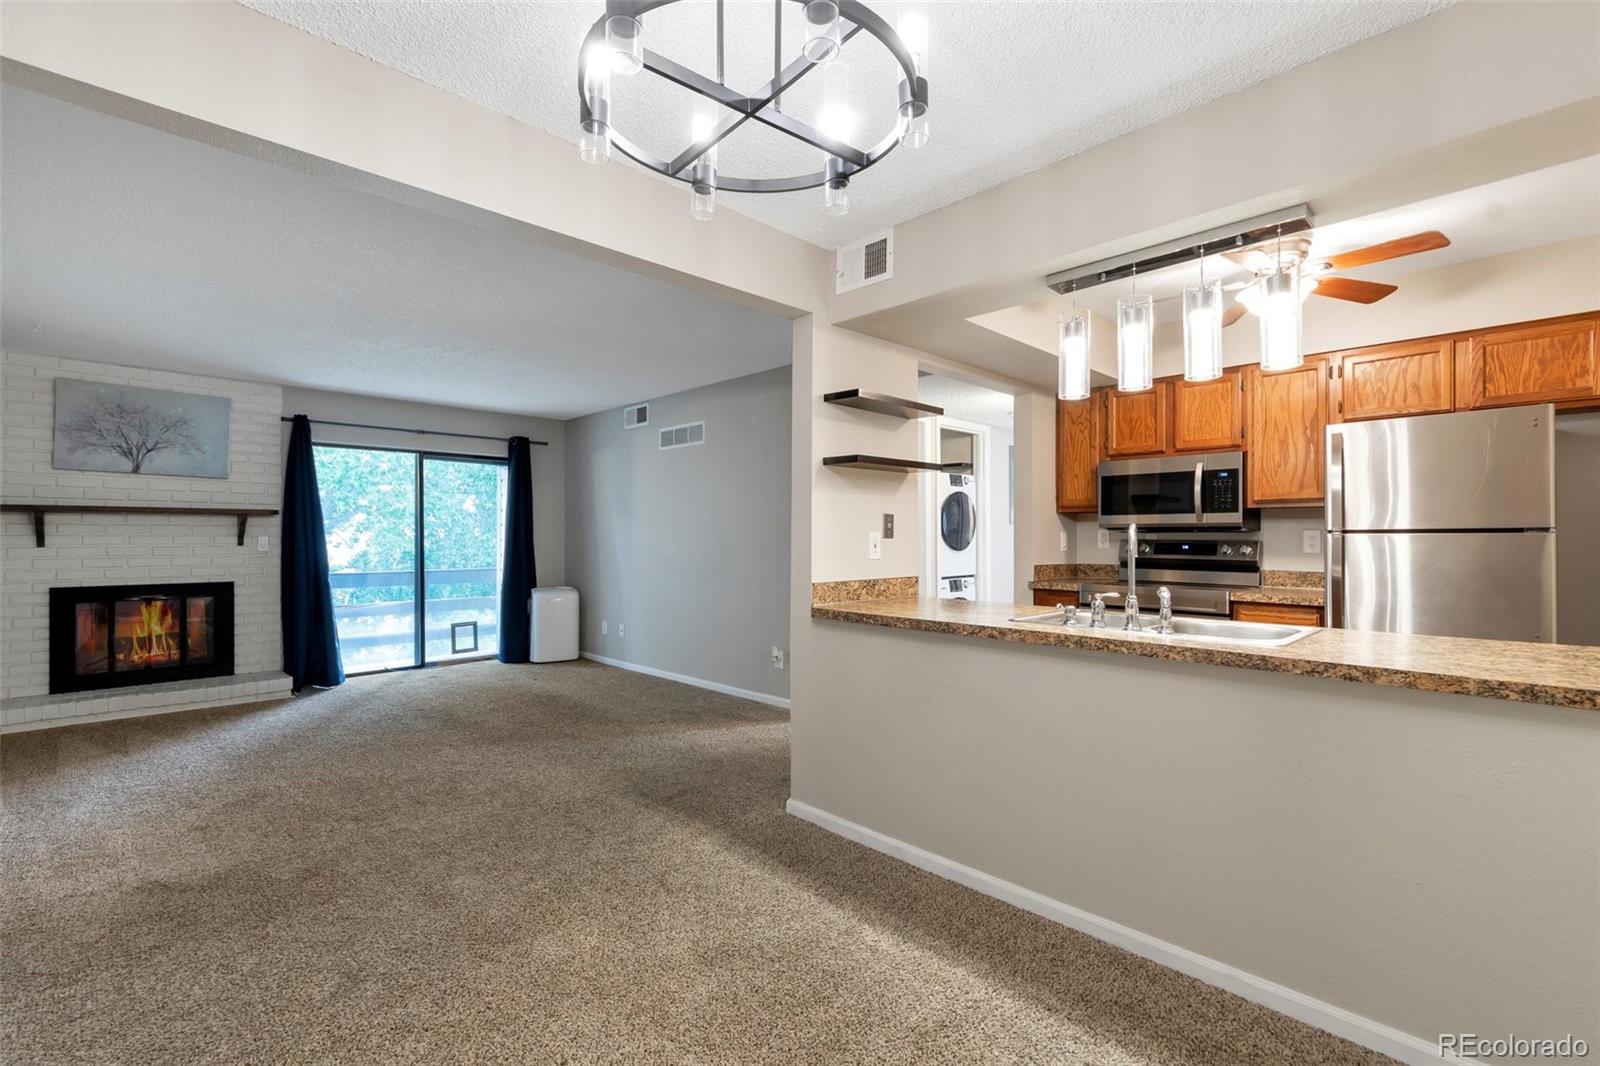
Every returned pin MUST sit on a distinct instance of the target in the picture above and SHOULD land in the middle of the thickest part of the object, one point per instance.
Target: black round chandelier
(614, 46)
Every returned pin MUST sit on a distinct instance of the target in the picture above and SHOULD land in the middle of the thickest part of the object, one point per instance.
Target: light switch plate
(1063, 540)
(1102, 538)
(777, 657)
(874, 545)
(888, 527)
(620, 633)
(1311, 541)
(602, 627)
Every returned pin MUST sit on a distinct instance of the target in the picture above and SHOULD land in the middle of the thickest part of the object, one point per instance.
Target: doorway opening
(968, 509)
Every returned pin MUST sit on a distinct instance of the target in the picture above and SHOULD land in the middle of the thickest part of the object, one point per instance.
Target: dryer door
(958, 521)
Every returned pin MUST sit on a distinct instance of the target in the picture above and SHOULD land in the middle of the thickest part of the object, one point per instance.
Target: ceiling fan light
(625, 41)
(1279, 301)
(1072, 356)
(822, 30)
(1202, 331)
(1136, 322)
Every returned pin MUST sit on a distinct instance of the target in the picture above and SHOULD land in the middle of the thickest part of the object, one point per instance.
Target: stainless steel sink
(1211, 630)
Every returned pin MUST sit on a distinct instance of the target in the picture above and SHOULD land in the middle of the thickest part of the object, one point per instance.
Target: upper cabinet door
(1415, 378)
(1078, 455)
(1136, 423)
(1208, 416)
(1540, 363)
(1288, 415)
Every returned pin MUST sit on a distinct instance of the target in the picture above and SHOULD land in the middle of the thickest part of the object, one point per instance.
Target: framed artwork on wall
(128, 430)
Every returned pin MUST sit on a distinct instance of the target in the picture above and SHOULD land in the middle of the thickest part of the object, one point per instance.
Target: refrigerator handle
(1333, 582)
(1335, 476)
(1199, 509)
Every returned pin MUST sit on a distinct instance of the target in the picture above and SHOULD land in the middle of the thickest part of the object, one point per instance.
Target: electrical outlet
(874, 545)
(262, 544)
(1063, 540)
(1311, 541)
(1102, 538)
(602, 627)
(777, 657)
(888, 527)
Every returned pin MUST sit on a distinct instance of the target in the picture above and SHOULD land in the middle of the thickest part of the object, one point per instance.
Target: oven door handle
(1199, 509)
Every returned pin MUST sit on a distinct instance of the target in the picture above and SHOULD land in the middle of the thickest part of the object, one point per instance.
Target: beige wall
(846, 503)
(1429, 862)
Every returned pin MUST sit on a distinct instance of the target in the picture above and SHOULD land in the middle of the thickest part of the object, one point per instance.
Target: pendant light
(1202, 328)
(836, 119)
(1278, 310)
(1072, 354)
(1136, 320)
(913, 29)
(625, 42)
(594, 138)
(703, 175)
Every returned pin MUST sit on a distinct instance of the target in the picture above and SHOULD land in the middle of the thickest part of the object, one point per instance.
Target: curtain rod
(398, 429)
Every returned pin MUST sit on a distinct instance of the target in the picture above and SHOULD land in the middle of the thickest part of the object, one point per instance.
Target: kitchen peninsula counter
(1552, 674)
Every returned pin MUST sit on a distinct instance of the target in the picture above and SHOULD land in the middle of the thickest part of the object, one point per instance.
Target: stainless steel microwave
(1185, 491)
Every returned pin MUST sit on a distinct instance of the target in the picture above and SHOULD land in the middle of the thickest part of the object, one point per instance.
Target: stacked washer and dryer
(958, 537)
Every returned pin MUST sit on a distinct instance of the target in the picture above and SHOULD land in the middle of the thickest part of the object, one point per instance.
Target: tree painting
(123, 429)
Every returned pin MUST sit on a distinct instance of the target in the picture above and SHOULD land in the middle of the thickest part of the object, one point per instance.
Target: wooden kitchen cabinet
(1391, 380)
(1208, 416)
(1287, 614)
(1137, 423)
(1054, 598)
(1540, 362)
(1078, 455)
(1288, 414)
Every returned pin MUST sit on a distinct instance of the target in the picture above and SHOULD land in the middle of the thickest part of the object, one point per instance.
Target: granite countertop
(1554, 674)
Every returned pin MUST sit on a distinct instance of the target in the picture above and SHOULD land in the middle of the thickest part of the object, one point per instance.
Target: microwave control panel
(1219, 491)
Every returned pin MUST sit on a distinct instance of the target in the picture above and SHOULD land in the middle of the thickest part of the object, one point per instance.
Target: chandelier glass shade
(616, 45)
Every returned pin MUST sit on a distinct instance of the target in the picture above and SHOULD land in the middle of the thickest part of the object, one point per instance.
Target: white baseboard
(1325, 1016)
(685, 679)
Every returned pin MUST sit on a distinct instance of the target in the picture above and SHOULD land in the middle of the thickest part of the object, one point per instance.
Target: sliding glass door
(463, 530)
(414, 549)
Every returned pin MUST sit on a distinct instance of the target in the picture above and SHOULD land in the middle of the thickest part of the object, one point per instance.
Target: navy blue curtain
(310, 641)
(518, 576)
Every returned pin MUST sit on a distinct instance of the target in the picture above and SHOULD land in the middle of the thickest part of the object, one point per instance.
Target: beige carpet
(524, 864)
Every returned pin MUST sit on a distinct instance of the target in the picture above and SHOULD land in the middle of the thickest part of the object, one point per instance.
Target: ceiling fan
(1316, 275)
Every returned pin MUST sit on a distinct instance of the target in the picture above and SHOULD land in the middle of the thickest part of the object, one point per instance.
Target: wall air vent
(636, 416)
(684, 436)
(865, 262)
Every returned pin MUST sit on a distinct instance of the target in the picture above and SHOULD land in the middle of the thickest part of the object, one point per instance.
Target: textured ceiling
(127, 244)
(1014, 85)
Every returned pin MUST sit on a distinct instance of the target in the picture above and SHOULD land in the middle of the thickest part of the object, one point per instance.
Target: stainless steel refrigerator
(1444, 524)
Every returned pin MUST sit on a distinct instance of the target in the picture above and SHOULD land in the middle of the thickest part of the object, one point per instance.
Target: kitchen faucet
(1130, 606)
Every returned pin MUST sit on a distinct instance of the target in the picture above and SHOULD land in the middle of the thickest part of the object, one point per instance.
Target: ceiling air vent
(865, 262)
(636, 416)
(684, 436)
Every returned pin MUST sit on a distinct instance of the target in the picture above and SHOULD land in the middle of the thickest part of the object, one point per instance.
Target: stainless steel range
(1200, 571)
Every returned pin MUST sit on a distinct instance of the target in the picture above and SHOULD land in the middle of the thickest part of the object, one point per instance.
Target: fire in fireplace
(115, 635)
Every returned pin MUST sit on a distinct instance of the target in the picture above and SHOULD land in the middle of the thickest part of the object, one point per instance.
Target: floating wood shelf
(878, 403)
(878, 462)
(39, 510)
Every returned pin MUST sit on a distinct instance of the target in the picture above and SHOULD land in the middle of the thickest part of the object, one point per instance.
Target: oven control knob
(1146, 549)
(1226, 549)
(1247, 550)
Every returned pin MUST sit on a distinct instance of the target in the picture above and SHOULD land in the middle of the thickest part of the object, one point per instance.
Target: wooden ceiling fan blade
(1427, 241)
(1232, 315)
(1353, 289)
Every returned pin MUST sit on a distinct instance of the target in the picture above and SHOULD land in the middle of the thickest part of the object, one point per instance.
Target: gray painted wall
(685, 553)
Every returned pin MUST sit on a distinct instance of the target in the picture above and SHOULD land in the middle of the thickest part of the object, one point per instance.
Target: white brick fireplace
(114, 549)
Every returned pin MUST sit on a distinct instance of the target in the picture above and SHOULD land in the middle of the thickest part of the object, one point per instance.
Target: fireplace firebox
(109, 636)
